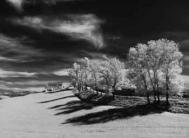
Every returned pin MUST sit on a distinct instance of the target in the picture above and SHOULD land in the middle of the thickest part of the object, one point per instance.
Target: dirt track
(46, 116)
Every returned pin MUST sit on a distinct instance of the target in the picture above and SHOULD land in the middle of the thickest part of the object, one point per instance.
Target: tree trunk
(152, 83)
(158, 90)
(158, 96)
(155, 87)
(146, 87)
(79, 87)
(154, 91)
(113, 92)
(95, 87)
(107, 86)
(85, 86)
(167, 97)
(167, 94)
(95, 83)
(167, 89)
(148, 97)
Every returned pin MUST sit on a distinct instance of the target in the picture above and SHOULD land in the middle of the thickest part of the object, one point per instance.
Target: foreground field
(61, 115)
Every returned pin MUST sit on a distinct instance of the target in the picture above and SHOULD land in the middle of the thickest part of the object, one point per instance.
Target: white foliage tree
(155, 63)
(75, 74)
(94, 67)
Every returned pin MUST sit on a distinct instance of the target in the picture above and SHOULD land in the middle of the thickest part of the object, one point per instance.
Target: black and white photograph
(94, 69)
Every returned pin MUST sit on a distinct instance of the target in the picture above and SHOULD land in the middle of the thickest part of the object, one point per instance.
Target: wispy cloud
(18, 4)
(24, 84)
(18, 89)
(186, 58)
(62, 72)
(85, 26)
(82, 27)
(7, 59)
(5, 74)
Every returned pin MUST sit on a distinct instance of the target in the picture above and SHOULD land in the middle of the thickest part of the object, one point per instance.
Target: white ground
(25, 117)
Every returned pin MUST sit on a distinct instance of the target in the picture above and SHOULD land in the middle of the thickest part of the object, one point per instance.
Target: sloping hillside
(62, 115)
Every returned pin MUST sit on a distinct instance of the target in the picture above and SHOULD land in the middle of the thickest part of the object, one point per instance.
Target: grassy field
(177, 105)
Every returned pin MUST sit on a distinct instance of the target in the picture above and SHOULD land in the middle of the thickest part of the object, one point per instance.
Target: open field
(62, 115)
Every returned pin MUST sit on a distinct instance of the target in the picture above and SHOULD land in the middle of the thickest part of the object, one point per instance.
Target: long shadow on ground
(118, 113)
(73, 106)
(52, 100)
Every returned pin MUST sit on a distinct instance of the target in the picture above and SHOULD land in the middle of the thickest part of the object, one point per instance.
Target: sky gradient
(40, 39)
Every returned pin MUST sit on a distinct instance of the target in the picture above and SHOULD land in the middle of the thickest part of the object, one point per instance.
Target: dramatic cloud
(42, 38)
(86, 27)
(12, 49)
(16, 3)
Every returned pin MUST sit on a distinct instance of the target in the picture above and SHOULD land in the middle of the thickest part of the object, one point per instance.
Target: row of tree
(154, 68)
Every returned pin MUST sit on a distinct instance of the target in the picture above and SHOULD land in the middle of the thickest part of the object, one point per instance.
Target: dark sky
(40, 39)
